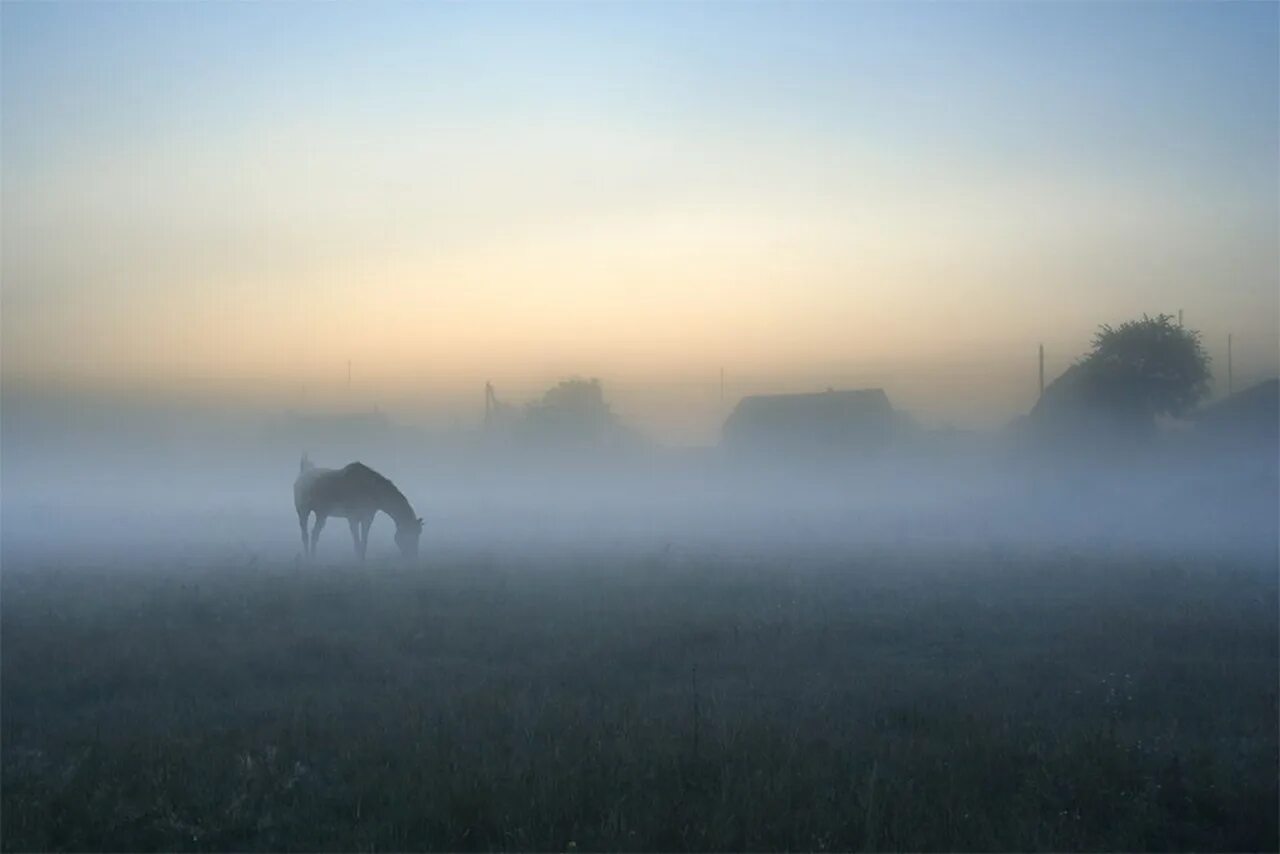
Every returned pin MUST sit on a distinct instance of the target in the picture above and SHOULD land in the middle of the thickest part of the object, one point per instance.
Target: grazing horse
(356, 493)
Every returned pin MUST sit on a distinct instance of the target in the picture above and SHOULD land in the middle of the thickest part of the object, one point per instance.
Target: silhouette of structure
(1072, 404)
(572, 414)
(832, 421)
(1075, 410)
(1041, 372)
(1135, 373)
(1249, 417)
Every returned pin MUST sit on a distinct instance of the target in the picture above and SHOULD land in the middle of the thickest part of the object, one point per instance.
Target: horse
(356, 493)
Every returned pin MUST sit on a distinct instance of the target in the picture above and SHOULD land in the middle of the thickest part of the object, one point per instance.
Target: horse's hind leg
(302, 523)
(315, 532)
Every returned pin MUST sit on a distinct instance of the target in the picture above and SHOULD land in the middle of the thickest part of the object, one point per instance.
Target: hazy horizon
(316, 533)
(228, 202)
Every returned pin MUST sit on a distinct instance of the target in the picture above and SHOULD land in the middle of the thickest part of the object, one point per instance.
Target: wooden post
(490, 403)
(1041, 370)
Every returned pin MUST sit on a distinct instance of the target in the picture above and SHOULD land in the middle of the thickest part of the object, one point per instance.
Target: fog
(103, 478)
(738, 646)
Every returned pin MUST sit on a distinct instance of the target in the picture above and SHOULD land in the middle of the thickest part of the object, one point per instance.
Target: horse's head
(407, 536)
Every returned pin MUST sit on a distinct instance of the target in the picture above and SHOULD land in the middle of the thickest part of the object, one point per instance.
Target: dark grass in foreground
(859, 701)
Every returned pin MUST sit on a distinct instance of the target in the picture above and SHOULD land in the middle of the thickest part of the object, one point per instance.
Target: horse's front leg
(364, 536)
(355, 537)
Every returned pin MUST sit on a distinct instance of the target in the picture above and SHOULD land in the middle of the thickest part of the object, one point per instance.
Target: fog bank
(87, 479)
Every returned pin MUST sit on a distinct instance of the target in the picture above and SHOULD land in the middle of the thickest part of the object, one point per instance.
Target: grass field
(665, 700)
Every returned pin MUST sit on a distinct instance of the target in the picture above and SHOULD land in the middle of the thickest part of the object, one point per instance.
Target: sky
(237, 199)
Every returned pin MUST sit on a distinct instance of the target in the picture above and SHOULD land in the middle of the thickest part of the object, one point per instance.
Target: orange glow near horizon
(831, 232)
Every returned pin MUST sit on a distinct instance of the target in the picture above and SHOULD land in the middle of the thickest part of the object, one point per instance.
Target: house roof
(818, 419)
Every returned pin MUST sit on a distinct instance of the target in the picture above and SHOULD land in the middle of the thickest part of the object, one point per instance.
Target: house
(859, 420)
(1249, 416)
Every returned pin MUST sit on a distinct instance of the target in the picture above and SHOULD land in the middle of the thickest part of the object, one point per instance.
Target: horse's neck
(392, 502)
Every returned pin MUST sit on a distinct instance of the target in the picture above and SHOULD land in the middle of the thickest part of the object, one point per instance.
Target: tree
(1149, 367)
(1135, 372)
(572, 413)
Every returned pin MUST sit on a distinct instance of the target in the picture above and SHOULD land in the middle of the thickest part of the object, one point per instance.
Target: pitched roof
(821, 418)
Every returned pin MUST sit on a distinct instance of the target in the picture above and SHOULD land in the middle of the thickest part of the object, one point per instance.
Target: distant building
(1076, 406)
(827, 422)
(1249, 416)
(571, 414)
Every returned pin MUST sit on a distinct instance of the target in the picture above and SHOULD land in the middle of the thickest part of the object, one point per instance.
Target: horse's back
(337, 490)
(359, 477)
(360, 471)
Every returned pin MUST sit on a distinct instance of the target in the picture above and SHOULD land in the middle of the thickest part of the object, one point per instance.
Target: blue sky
(630, 189)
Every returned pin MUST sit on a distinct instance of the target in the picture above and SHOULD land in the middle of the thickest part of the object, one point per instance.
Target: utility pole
(1041, 370)
(1179, 317)
(1231, 383)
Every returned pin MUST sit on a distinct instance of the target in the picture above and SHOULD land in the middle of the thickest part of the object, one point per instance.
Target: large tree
(573, 414)
(1151, 366)
(1135, 372)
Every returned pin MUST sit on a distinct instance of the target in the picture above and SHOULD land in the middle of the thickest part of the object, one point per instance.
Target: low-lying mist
(92, 480)
(946, 641)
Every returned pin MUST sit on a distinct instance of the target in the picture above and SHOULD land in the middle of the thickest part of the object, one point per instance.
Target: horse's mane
(376, 477)
(383, 482)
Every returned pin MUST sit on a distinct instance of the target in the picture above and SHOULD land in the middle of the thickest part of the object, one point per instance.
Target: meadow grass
(981, 700)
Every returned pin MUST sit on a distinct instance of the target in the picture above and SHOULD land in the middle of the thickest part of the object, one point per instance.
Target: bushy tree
(1135, 372)
(571, 413)
(1145, 368)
